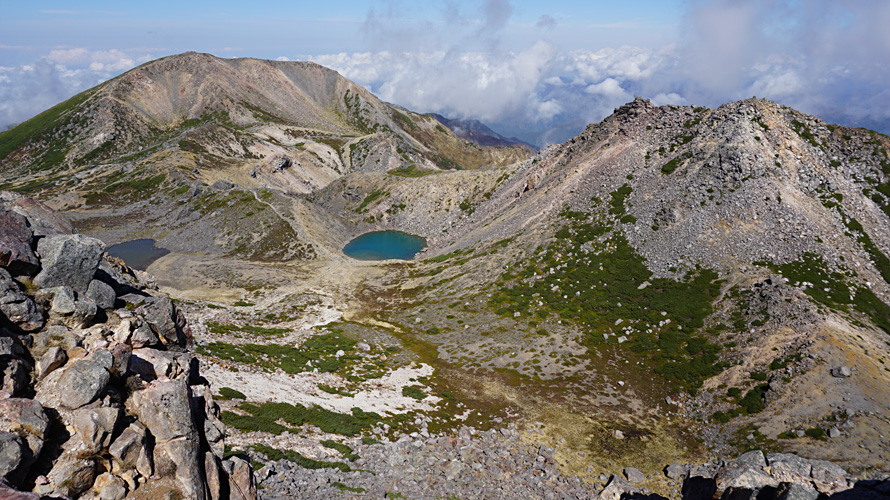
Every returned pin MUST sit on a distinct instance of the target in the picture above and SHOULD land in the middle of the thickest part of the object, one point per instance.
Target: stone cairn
(100, 397)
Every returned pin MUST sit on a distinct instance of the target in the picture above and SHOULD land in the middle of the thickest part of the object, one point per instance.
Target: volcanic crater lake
(138, 254)
(383, 245)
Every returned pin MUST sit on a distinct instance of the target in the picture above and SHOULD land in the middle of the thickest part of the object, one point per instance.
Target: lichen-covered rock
(121, 354)
(634, 475)
(16, 237)
(163, 317)
(94, 427)
(206, 410)
(25, 416)
(102, 294)
(130, 450)
(828, 477)
(17, 307)
(63, 300)
(143, 335)
(789, 468)
(794, 491)
(53, 358)
(241, 482)
(78, 384)
(743, 478)
(151, 364)
(71, 475)
(213, 477)
(164, 408)
(110, 487)
(13, 375)
(10, 452)
(68, 260)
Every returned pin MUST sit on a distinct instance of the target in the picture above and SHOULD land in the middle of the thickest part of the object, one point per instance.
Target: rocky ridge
(100, 396)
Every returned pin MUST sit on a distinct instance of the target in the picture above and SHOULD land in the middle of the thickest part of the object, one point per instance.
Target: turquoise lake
(383, 245)
(138, 254)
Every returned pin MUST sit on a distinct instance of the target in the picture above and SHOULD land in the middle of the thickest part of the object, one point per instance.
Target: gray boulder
(84, 312)
(794, 491)
(213, 476)
(143, 335)
(241, 481)
(841, 372)
(16, 237)
(206, 410)
(829, 478)
(753, 459)
(166, 321)
(26, 419)
(130, 450)
(68, 260)
(63, 300)
(222, 185)
(94, 427)
(71, 475)
(102, 294)
(10, 452)
(616, 489)
(789, 468)
(634, 475)
(52, 359)
(8, 492)
(151, 364)
(164, 408)
(114, 273)
(743, 478)
(122, 354)
(42, 220)
(18, 308)
(676, 471)
(110, 487)
(82, 382)
(13, 375)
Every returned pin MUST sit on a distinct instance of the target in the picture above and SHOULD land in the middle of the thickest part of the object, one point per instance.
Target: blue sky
(525, 67)
(281, 28)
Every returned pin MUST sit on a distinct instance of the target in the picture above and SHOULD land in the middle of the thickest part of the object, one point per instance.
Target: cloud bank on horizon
(830, 58)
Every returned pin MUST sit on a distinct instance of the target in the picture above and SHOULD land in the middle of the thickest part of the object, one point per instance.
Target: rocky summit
(679, 302)
(100, 397)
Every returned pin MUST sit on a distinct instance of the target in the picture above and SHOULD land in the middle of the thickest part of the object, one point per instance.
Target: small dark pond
(383, 245)
(138, 254)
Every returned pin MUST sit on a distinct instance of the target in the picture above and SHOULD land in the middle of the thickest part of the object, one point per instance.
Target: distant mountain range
(478, 132)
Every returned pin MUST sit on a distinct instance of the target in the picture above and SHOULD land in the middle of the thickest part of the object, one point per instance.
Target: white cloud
(608, 87)
(672, 98)
(28, 89)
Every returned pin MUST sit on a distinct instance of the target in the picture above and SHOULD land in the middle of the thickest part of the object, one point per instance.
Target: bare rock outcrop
(775, 475)
(98, 404)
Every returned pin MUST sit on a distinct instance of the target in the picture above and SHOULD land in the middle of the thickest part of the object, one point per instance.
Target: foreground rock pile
(473, 464)
(99, 397)
(498, 464)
